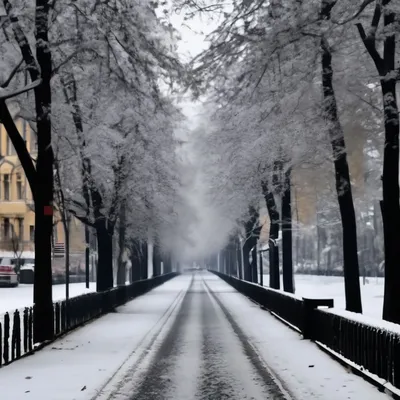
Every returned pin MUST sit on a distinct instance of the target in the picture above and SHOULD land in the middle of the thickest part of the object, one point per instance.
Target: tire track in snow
(272, 386)
(172, 374)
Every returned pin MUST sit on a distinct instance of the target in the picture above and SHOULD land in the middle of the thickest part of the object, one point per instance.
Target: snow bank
(332, 287)
(380, 325)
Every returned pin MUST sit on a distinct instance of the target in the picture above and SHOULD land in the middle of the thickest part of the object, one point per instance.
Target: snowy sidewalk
(22, 296)
(79, 365)
(304, 370)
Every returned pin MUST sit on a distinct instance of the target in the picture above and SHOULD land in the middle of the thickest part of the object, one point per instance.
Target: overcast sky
(193, 33)
(207, 231)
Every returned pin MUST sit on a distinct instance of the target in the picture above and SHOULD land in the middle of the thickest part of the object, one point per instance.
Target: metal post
(87, 240)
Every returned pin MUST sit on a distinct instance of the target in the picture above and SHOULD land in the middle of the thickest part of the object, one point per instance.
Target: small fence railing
(284, 305)
(16, 328)
(367, 344)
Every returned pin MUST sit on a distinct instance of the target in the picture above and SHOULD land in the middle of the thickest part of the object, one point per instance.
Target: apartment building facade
(17, 217)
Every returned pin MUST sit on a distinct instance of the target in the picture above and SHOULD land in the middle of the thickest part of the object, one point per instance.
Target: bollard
(309, 306)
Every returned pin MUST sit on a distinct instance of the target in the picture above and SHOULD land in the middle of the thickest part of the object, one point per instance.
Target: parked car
(27, 272)
(8, 276)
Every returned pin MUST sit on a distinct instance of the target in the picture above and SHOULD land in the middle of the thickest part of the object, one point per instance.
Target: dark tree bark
(121, 274)
(318, 249)
(246, 260)
(136, 269)
(145, 257)
(235, 267)
(239, 258)
(274, 278)
(287, 248)
(167, 263)
(42, 189)
(390, 207)
(156, 260)
(105, 279)
(19, 146)
(342, 174)
(254, 258)
(44, 186)
(252, 230)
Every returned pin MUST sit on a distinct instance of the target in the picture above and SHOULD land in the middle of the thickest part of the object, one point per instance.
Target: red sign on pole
(48, 210)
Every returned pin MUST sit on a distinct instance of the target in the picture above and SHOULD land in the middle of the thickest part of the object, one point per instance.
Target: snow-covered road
(204, 356)
(192, 338)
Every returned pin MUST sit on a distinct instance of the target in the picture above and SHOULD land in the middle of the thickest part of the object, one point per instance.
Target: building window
(6, 187)
(32, 233)
(6, 227)
(19, 187)
(10, 147)
(21, 229)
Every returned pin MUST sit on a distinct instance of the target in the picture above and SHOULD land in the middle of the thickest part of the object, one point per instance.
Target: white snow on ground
(304, 370)
(93, 359)
(22, 296)
(332, 287)
(78, 366)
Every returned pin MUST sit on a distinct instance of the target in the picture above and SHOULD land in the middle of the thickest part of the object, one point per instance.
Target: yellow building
(17, 217)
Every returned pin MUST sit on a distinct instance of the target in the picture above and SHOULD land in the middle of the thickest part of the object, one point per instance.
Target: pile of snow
(332, 287)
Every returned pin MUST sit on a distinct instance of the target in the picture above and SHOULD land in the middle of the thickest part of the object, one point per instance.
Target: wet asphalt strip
(205, 356)
(157, 383)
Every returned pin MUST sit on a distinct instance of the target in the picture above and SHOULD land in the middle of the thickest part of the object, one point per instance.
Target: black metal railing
(285, 306)
(375, 349)
(16, 328)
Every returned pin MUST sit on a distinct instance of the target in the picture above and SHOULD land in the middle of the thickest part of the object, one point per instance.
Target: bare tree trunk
(342, 175)
(121, 274)
(19, 145)
(156, 260)
(144, 260)
(41, 182)
(390, 207)
(287, 247)
(66, 224)
(239, 258)
(136, 260)
(43, 328)
(246, 260)
(318, 236)
(255, 263)
(274, 278)
(252, 229)
(298, 226)
(105, 278)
